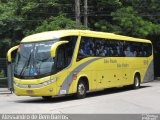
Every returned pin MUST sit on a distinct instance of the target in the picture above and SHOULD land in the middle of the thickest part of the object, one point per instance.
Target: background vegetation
(19, 18)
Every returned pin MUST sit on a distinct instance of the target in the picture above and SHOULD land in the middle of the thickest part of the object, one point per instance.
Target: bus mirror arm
(9, 56)
(55, 46)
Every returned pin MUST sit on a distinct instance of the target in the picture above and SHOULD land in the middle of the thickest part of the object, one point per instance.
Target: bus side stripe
(69, 78)
(149, 74)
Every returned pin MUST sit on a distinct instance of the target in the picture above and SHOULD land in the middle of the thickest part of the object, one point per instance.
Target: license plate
(30, 91)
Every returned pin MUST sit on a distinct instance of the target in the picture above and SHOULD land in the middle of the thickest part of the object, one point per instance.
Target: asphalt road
(120, 100)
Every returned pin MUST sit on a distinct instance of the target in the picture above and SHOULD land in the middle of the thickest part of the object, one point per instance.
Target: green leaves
(56, 23)
(132, 24)
(127, 21)
(19, 18)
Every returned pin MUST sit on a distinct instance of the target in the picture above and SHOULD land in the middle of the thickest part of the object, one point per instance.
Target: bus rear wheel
(136, 83)
(81, 90)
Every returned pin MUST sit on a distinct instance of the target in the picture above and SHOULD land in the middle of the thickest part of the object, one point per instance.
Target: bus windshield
(34, 60)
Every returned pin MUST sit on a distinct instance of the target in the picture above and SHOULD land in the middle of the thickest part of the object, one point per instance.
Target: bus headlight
(16, 84)
(49, 82)
(36, 85)
(45, 83)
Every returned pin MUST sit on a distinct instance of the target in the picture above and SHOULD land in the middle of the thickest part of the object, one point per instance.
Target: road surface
(115, 101)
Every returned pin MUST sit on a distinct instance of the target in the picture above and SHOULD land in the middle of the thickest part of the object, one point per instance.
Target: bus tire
(137, 82)
(47, 97)
(81, 90)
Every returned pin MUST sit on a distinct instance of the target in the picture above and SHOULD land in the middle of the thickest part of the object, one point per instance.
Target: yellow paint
(9, 57)
(62, 33)
(102, 73)
(54, 47)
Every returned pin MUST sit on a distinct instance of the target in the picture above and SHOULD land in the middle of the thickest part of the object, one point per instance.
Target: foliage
(56, 23)
(19, 18)
(130, 23)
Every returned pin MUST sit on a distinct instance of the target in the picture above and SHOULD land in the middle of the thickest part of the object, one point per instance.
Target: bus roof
(50, 35)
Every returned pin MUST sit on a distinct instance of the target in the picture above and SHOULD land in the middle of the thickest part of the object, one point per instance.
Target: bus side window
(60, 57)
(129, 49)
(86, 48)
(69, 49)
(121, 49)
(149, 49)
(81, 52)
(65, 52)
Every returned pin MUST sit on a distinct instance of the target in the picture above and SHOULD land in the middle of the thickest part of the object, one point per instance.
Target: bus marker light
(74, 76)
(70, 84)
(51, 90)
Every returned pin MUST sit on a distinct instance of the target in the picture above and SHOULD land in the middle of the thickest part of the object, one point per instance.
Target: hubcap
(136, 82)
(81, 89)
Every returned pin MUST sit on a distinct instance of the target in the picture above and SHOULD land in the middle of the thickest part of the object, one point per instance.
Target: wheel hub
(136, 82)
(81, 89)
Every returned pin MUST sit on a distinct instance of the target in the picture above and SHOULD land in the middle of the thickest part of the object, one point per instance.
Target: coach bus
(64, 62)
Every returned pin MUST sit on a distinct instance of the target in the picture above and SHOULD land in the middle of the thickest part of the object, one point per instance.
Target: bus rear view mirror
(54, 47)
(9, 56)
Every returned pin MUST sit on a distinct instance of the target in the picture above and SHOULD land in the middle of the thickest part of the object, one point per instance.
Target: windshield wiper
(26, 64)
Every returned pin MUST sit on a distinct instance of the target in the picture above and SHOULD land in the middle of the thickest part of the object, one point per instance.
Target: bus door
(62, 63)
(64, 55)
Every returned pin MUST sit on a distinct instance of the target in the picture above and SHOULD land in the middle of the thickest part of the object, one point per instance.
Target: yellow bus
(66, 62)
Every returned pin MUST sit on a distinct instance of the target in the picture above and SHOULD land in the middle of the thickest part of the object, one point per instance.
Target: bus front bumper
(49, 90)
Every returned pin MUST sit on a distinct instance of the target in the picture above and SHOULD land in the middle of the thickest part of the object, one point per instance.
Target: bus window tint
(65, 52)
(138, 49)
(97, 47)
(86, 48)
(129, 49)
(114, 48)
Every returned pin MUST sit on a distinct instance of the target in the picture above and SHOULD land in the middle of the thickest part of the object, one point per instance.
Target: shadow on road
(109, 91)
(113, 91)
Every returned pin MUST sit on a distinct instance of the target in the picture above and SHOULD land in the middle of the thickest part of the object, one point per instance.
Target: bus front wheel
(137, 82)
(81, 90)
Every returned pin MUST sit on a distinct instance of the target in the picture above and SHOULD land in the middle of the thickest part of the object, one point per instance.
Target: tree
(131, 24)
(10, 30)
(56, 23)
(19, 18)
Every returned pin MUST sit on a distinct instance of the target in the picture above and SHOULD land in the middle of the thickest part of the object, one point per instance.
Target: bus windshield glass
(33, 60)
